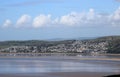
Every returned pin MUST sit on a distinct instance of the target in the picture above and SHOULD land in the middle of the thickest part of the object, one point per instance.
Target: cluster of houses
(75, 47)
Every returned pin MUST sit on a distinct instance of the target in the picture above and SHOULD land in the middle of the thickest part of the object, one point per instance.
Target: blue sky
(49, 19)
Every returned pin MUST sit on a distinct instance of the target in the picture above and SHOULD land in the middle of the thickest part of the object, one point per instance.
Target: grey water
(45, 64)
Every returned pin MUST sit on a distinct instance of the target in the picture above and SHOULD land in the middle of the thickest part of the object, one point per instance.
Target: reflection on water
(55, 64)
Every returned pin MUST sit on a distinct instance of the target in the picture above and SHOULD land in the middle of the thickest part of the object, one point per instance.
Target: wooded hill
(113, 43)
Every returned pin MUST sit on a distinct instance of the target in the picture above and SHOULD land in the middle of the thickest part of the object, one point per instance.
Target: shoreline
(60, 53)
(41, 55)
(61, 74)
(90, 59)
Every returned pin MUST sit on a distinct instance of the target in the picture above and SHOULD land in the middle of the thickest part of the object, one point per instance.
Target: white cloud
(91, 14)
(116, 15)
(41, 20)
(81, 19)
(71, 19)
(91, 19)
(115, 18)
(23, 21)
(7, 23)
(55, 21)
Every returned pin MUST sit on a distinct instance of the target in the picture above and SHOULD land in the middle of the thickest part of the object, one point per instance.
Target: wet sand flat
(58, 66)
(60, 74)
(61, 56)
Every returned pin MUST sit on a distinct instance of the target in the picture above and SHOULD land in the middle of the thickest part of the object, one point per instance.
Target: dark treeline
(34, 43)
(114, 46)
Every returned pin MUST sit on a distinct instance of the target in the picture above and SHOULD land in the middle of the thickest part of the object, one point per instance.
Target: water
(57, 63)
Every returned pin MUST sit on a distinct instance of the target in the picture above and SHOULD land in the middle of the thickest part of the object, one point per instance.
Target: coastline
(61, 74)
(42, 55)
(110, 54)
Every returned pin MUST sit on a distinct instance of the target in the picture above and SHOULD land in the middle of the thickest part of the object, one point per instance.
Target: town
(72, 46)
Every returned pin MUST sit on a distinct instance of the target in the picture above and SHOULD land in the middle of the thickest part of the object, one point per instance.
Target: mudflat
(60, 74)
(59, 66)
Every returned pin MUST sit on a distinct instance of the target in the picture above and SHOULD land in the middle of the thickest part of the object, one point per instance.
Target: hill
(109, 44)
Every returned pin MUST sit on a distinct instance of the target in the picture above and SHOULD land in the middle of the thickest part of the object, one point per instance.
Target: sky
(51, 19)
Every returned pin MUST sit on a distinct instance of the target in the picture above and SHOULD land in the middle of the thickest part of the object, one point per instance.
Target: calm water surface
(46, 64)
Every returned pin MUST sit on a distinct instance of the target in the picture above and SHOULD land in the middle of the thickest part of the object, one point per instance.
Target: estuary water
(57, 63)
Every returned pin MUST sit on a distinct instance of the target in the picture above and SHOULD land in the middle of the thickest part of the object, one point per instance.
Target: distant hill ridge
(109, 38)
(112, 42)
(38, 42)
